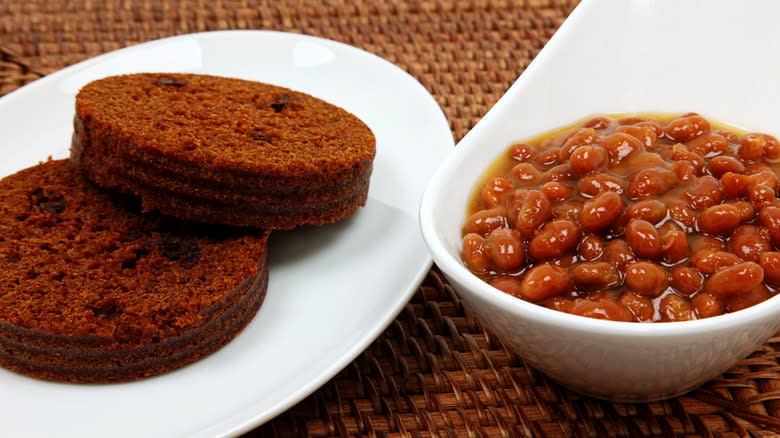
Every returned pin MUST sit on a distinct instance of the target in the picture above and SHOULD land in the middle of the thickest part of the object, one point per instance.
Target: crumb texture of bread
(243, 151)
(94, 290)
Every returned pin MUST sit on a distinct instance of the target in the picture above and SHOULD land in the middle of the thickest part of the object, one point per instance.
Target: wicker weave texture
(435, 372)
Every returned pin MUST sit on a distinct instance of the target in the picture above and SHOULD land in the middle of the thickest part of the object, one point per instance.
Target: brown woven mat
(434, 372)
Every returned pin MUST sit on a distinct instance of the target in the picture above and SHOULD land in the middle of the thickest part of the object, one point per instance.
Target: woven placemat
(435, 372)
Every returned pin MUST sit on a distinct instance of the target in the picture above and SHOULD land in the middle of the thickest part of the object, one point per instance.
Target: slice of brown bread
(93, 290)
(223, 150)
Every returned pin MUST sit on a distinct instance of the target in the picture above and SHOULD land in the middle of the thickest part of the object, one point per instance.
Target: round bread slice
(93, 290)
(223, 150)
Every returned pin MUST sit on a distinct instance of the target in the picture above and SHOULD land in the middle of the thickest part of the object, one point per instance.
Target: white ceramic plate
(332, 289)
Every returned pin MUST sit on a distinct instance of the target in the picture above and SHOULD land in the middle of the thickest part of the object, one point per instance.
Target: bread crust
(238, 152)
(95, 291)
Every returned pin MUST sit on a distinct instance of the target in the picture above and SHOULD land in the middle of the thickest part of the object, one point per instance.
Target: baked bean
(526, 174)
(703, 242)
(620, 145)
(597, 123)
(722, 164)
(684, 169)
(646, 278)
(752, 147)
(770, 263)
(560, 304)
(667, 226)
(771, 147)
(704, 192)
(652, 124)
(601, 308)
(485, 221)
(710, 260)
(642, 160)
(640, 306)
(555, 239)
(748, 242)
(676, 308)
(651, 182)
(474, 253)
(641, 121)
(769, 218)
(592, 276)
(547, 157)
(643, 238)
(593, 184)
(759, 174)
(706, 305)
(569, 209)
(518, 195)
(686, 127)
(505, 248)
(651, 210)
(508, 285)
(735, 185)
(521, 152)
(665, 150)
(687, 280)
(728, 135)
(735, 279)
(544, 281)
(556, 191)
(674, 247)
(708, 145)
(591, 247)
(561, 172)
(745, 209)
(576, 139)
(748, 299)
(680, 152)
(618, 226)
(681, 212)
(618, 253)
(761, 195)
(588, 159)
(644, 134)
(600, 211)
(532, 213)
(719, 219)
(632, 220)
(495, 190)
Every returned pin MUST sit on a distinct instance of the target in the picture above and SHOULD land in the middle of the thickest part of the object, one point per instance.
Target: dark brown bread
(223, 150)
(93, 290)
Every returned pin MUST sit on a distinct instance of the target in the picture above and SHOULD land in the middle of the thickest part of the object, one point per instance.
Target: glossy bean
(676, 308)
(770, 263)
(749, 241)
(544, 281)
(592, 276)
(687, 280)
(554, 239)
(643, 238)
(721, 219)
(505, 248)
(474, 253)
(600, 211)
(734, 280)
(646, 278)
(687, 127)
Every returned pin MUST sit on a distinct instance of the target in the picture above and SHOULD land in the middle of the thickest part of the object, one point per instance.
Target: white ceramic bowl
(619, 56)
